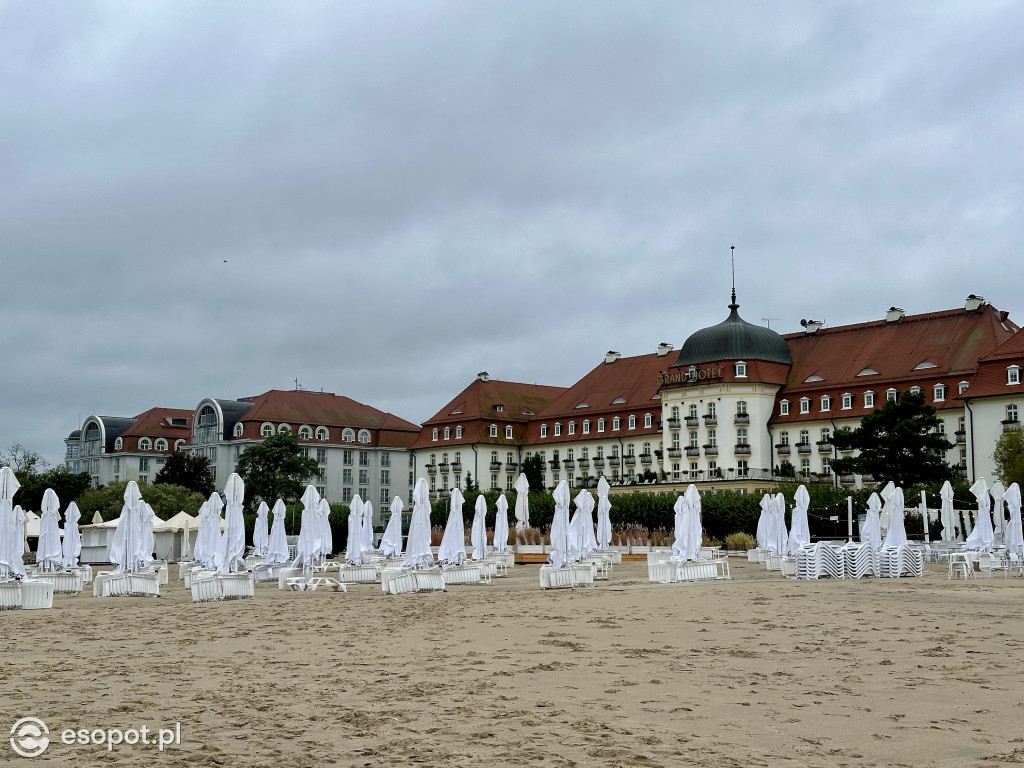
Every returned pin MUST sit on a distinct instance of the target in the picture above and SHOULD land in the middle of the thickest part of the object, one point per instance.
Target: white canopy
(49, 555)
(323, 513)
(478, 531)
(453, 544)
(500, 538)
(997, 493)
(799, 531)
(777, 536)
(982, 538)
(764, 522)
(559, 556)
(522, 486)
(946, 513)
(367, 527)
(604, 520)
(260, 532)
(277, 549)
(417, 543)
(72, 547)
(12, 520)
(182, 521)
(307, 548)
(871, 528)
(391, 543)
(354, 540)
(231, 553)
(679, 546)
(887, 494)
(896, 533)
(1014, 537)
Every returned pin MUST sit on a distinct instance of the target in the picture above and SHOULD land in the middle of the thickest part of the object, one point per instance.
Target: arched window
(161, 444)
(284, 429)
(348, 435)
(364, 436)
(238, 429)
(118, 444)
(805, 437)
(306, 432)
(179, 445)
(144, 444)
(322, 433)
(692, 411)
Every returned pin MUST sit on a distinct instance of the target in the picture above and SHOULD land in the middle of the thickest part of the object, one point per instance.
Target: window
(508, 433)
(648, 421)
(741, 437)
(321, 474)
(267, 430)
(586, 427)
(675, 441)
(572, 427)
(712, 409)
(144, 465)
(784, 408)
(1011, 412)
(712, 438)
(509, 457)
(385, 458)
(364, 436)
(741, 407)
(322, 433)
(458, 433)
(1013, 374)
(741, 370)
(805, 437)
(349, 435)
(784, 438)
(346, 457)
(616, 423)
(494, 482)
(941, 428)
(346, 493)
(847, 401)
(939, 392)
(826, 465)
(499, 408)
(284, 429)
(509, 483)
(693, 439)
(144, 444)
(869, 399)
(434, 434)
(805, 405)
(600, 425)
(346, 476)
(321, 455)
(693, 411)
(179, 444)
(143, 479)
(826, 434)
(805, 466)
(305, 432)
(826, 402)
(364, 458)
(890, 395)
(632, 422)
(558, 429)
(742, 468)
(238, 429)
(915, 390)
(385, 477)
(493, 430)
(385, 496)
(447, 433)
(543, 430)
(962, 424)
(117, 465)
(962, 387)
(364, 476)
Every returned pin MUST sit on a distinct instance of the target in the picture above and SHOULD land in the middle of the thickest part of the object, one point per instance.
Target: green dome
(734, 339)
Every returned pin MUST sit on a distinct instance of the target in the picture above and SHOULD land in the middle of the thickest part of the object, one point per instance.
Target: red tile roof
(156, 423)
(991, 378)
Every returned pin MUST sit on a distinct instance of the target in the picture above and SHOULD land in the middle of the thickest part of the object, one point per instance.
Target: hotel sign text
(691, 375)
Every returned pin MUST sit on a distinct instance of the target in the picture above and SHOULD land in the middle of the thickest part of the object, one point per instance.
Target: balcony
(598, 463)
(495, 466)
(803, 447)
(443, 466)
(742, 449)
(646, 458)
(961, 436)
(444, 494)
(1011, 425)
(782, 449)
(710, 450)
(847, 479)
(511, 466)
(693, 450)
(710, 421)
(614, 461)
(673, 423)
(569, 464)
(431, 469)
(630, 461)
(692, 421)
(457, 466)
(825, 446)
(584, 463)
(675, 453)
(741, 418)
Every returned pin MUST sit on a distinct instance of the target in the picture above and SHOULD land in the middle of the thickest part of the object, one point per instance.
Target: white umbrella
(777, 536)
(260, 535)
(277, 548)
(199, 548)
(896, 533)
(49, 555)
(578, 524)
(72, 547)
(946, 513)
(870, 529)
(764, 522)
(453, 544)
(694, 526)
(982, 538)
(559, 556)
(323, 512)
(230, 554)
(522, 486)
(208, 537)
(887, 494)
(799, 531)
(998, 520)
(354, 540)
(307, 548)
(146, 540)
(367, 528)
(604, 520)
(125, 545)
(500, 539)
(417, 543)
(391, 543)
(589, 540)
(12, 537)
(478, 531)
(679, 545)
(1014, 538)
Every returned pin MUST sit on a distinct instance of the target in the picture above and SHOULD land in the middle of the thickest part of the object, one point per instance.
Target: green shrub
(740, 542)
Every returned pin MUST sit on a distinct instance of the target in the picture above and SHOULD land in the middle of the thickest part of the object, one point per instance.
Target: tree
(187, 470)
(275, 469)
(166, 500)
(1009, 458)
(66, 484)
(533, 468)
(897, 442)
(470, 485)
(22, 459)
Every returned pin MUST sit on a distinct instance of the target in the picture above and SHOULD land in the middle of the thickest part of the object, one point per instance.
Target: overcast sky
(382, 199)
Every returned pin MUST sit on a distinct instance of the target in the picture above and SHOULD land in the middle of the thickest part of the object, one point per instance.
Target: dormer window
(306, 432)
(868, 372)
(144, 444)
(558, 429)
(238, 429)
(543, 430)
(586, 427)
(161, 444)
(499, 408)
(348, 435)
(890, 395)
(508, 433)
(434, 434)
(284, 429)
(492, 430)
(847, 401)
(616, 423)
(458, 433)
(119, 443)
(741, 370)
(632, 422)
(826, 402)
(447, 433)
(1013, 374)
(805, 405)
(813, 378)
(939, 392)
(869, 399)
(572, 427)
(648, 421)
(267, 429)
(962, 387)
(783, 407)
(915, 390)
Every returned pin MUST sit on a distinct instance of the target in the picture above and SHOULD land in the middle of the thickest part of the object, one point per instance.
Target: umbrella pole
(849, 519)
(924, 515)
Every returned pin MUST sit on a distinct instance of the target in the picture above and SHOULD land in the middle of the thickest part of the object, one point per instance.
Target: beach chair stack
(820, 561)
(899, 561)
(861, 561)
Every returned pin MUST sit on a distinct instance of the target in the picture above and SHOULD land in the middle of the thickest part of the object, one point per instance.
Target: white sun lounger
(64, 582)
(468, 573)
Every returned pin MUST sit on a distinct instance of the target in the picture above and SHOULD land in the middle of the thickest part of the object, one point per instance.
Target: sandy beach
(759, 671)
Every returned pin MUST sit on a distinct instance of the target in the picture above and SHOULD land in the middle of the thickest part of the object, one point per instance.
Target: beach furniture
(64, 582)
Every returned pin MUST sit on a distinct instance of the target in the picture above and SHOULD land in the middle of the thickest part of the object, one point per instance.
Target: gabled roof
(156, 422)
(298, 407)
(991, 378)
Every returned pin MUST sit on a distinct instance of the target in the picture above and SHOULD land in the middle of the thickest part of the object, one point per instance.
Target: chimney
(483, 376)
(812, 326)
(894, 314)
(610, 357)
(973, 303)
(664, 349)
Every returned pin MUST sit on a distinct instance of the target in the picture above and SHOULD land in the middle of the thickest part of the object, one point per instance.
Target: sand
(759, 671)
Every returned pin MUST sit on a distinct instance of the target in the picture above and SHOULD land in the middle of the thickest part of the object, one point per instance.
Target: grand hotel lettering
(690, 375)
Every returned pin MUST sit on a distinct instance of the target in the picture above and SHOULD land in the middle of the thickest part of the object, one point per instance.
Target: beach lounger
(64, 582)
(466, 574)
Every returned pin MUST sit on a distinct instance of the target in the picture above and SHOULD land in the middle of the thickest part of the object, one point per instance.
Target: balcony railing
(742, 449)
(741, 418)
(495, 466)
(431, 469)
(444, 494)
(847, 478)
(511, 466)
(569, 463)
(554, 464)
(675, 453)
(631, 461)
(693, 450)
(1011, 425)
(645, 458)
(456, 466)
(692, 421)
(783, 449)
(443, 466)
(710, 450)
(710, 420)
(803, 447)
(598, 463)
(614, 461)
(961, 436)
(584, 463)
(673, 423)
(824, 446)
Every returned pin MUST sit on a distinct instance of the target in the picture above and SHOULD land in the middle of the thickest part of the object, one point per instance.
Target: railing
(692, 421)
(710, 420)
(511, 466)
(495, 466)
(961, 436)
(693, 450)
(673, 423)
(1011, 425)
(443, 466)
(443, 494)
(824, 446)
(803, 447)
(645, 458)
(741, 418)
(675, 453)
(554, 464)
(710, 450)
(569, 463)
(431, 469)
(584, 463)
(456, 466)
(742, 449)
(614, 461)
(598, 463)
(783, 449)
(630, 461)
(847, 479)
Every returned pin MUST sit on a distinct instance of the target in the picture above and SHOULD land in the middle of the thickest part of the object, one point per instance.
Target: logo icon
(30, 737)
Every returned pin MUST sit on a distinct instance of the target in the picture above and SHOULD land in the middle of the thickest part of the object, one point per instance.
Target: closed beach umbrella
(417, 543)
(777, 536)
(49, 555)
(982, 538)
(1014, 534)
(199, 548)
(577, 525)
(354, 540)
(72, 547)
(260, 534)
(946, 513)
(522, 486)
(147, 542)
(871, 529)
(367, 527)
(12, 538)
(589, 539)
(391, 543)
(799, 531)
(453, 544)
(764, 522)
(604, 520)
(323, 512)
(559, 556)
(998, 520)
(478, 531)
(500, 541)
(307, 548)
(679, 545)
(125, 545)
(277, 547)
(692, 524)
(887, 494)
(896, 533)
(232, 542)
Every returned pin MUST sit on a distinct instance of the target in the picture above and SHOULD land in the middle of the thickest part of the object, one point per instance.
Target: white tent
(478, 531)
(871, 529)
(354, 540)
(500, 538)
(946, 513)
(559, 556)
(522, 486)
(260, 533)
(799, 531)
(982, 538)
(49, 555)
(1014, 537)
(12, 521)
(453, 544)
(417, 543)
(367, 528)
(887, 493)
(997, 493)
(172, 538)
(679, 546)
(277, 549)
(391, 543)
(896, 533)
(604, 520)
(127, 542)
(307, 549)
(764, 522)
(323, 514)
(777, 536)
(72, 546)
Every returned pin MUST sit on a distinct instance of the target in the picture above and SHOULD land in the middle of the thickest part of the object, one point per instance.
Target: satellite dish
(803, 323)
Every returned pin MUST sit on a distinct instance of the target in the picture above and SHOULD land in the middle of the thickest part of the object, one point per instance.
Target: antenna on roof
(732, 255)
(768, 320)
